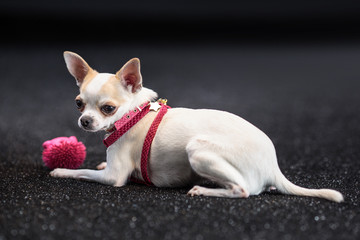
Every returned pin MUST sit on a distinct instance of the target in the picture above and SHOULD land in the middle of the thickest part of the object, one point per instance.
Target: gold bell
(162, 100)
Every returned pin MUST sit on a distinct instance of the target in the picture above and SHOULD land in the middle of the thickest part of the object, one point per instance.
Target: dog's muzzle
(86, 122)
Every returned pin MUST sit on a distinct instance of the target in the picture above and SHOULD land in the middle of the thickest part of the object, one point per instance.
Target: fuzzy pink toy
(63, 152)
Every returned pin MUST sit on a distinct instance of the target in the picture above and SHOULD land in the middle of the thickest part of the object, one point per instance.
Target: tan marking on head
(90, 76)
(112, 89)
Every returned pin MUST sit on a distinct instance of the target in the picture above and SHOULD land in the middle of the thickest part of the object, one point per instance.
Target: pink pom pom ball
(63, 152)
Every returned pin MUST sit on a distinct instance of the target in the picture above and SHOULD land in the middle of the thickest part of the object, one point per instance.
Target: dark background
(181, 21)
(290, 68)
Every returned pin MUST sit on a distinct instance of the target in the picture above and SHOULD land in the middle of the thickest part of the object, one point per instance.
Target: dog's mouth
(89, 129)
(107, 129)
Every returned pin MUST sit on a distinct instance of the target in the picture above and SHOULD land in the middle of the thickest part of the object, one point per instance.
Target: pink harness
(129, 120)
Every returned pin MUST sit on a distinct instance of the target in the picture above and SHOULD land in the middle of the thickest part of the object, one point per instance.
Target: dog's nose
(86, 122)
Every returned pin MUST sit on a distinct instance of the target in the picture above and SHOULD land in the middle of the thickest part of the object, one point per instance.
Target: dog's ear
(130, 75)
(77, 66)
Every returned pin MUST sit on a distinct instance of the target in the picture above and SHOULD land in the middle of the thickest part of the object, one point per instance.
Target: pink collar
(129, 120)
(123, 125)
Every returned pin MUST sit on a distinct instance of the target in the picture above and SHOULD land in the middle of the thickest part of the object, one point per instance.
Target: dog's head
(103, 97)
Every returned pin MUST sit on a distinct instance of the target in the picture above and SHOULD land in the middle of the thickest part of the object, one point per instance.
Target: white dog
(189, 145)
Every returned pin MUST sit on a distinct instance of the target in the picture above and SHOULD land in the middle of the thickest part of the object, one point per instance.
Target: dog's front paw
(195, 191)
(58, 173)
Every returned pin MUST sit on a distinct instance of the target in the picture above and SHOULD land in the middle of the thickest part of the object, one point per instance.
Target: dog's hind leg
(101, 166)
(206, 162)
(233, 192)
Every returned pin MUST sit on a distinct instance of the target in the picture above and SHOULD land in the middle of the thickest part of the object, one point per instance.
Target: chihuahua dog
(189, 145)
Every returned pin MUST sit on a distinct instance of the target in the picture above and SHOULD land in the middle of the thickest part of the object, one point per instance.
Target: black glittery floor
(305, 97)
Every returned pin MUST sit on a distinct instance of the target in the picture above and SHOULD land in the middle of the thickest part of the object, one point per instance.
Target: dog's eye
(107, 109)
(79, 104)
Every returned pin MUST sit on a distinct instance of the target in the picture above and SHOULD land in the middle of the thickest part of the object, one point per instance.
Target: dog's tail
(287, 187)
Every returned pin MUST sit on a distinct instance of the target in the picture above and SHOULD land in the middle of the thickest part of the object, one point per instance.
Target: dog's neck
(144, 95)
